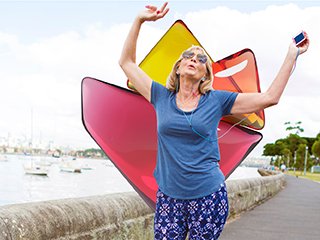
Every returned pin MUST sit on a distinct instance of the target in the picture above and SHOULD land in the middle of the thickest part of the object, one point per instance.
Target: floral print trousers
(201, 218)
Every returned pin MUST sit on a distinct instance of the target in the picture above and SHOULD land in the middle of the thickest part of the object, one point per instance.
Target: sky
(48, 47)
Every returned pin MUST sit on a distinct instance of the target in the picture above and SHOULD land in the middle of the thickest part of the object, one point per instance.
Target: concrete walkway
(293, 214)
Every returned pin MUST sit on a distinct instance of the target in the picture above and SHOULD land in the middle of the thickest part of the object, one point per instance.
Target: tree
(293, 145)
(295, 126)
(93, 152)
(273, 149)
(278, 149)
(293, 141)
(301, 156)
(285, 149)
(316, 149)
(286, 153)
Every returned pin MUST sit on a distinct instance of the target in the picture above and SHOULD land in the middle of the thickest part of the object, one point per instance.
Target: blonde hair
(174, 78)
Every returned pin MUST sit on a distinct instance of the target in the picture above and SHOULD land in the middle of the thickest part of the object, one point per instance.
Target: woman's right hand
(152, 13)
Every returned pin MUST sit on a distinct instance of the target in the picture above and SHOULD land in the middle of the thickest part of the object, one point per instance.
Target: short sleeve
(227, 100)
(157, 92)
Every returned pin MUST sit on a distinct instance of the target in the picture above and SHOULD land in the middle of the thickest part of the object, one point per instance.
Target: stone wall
(113, 216)
(245, 194)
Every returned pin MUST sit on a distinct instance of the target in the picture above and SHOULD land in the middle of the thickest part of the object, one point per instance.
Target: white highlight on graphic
(232, 70)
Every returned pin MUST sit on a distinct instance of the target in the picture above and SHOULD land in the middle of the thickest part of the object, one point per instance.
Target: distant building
(315, 169)
(260, 162)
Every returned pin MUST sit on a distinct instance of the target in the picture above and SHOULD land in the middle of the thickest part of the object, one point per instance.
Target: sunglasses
(189, 54)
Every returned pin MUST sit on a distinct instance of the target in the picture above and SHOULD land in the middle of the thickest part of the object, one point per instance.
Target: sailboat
(3, 158)
(34, 168)
(68, 166)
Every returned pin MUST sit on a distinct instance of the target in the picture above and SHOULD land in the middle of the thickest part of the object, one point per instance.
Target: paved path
(293, 214)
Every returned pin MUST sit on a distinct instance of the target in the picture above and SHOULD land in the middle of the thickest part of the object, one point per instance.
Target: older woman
(192, 197)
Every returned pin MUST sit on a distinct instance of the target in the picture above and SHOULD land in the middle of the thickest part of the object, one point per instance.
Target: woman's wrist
(140, 19)
(293, 52)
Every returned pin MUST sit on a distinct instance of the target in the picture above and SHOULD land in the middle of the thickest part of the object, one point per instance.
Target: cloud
(45, 75)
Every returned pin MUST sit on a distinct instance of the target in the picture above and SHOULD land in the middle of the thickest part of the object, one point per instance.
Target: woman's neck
(188, 90)
(188, 96)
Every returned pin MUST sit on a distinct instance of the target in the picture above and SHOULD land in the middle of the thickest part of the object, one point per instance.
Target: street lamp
(305, 160)
(294, 163)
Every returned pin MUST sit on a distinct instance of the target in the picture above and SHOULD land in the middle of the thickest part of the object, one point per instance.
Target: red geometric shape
(123, 124)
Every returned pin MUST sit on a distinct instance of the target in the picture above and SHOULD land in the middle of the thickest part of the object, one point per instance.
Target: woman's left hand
(303, 47)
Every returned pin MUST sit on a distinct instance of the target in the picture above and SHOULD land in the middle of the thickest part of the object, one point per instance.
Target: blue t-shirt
(187, 164)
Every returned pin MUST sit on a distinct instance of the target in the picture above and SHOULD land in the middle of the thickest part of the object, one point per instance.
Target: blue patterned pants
(203, 218)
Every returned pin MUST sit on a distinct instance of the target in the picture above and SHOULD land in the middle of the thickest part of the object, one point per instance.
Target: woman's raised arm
(252, 102)
(141, 81)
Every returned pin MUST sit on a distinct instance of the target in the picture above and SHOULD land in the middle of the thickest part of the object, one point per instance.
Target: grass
(310, 176)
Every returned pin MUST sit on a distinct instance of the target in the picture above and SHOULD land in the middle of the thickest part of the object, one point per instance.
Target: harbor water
(97, 177)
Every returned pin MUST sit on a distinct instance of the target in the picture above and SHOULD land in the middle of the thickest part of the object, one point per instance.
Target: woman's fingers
(163, 6)
(305, 44)
(162, 14)
(153, 13)
(163, 10)
(152, 8)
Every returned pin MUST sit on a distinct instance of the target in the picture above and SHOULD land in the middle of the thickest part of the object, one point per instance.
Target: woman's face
(193, 64)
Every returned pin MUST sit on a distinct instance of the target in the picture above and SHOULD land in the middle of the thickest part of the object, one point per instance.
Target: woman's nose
(194, 59)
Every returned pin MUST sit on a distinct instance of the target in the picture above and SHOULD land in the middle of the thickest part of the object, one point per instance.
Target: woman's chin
(192, 76)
